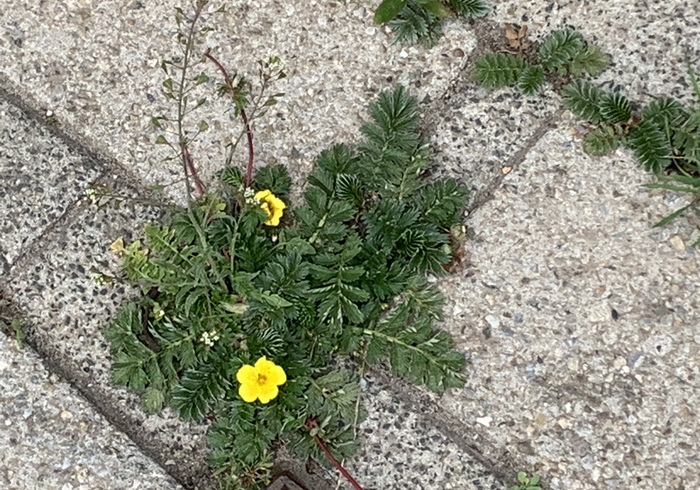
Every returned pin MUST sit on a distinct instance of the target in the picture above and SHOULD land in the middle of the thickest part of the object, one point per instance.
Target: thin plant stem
(361, 373)
(244, 117)
(187, 163)
(310, 423)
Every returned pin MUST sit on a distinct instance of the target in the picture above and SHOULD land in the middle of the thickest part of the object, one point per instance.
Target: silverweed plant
(260, 315)
(562, 56)
(664, 136)
(420, 21)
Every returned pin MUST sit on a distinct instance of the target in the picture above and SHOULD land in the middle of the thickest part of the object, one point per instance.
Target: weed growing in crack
(260, 315)
(664, 136)
(562, 56)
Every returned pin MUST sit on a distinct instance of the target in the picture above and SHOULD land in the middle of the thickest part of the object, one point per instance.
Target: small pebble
(677, 243)
(484, 421)
(66, 415)
(493, 321)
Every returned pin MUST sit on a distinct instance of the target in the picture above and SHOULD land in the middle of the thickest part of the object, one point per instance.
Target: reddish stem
(310, 424)
(244, 116)
(193, 171)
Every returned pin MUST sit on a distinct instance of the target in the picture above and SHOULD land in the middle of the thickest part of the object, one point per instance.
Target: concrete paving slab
(95, 65)
(648, 41)
(65, 307)
(51, 438)
(402, 448)
(479, 134)
(581, 324)
(40, 177)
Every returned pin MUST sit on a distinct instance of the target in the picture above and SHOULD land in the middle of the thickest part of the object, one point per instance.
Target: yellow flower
(272, 205)
(260, 382)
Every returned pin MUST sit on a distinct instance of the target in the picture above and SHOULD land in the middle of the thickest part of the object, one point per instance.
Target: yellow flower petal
(267, 392)
(262, 365)
(260, 382)
(261, 195)
(277, 376)
(247, 375)
(249, 392)
(272, 205)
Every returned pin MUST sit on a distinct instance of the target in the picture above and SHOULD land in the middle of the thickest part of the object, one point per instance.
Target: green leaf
(388, 10)
(531, 80)
(160, 140)
(590, 60)
(522, 477)
(274, 178)
(153, 400)
(469, 8)
(198, 390)
(201, 78)
(651, 146)
(275, 300)
(203, 126)
(583, 99)
(535, 480)
(601, 141)
(559, 49)
(615, 108)
(496, 70)
(232, 176)
(672, 216)
(665, 111)
(415, 25)
(436, 8)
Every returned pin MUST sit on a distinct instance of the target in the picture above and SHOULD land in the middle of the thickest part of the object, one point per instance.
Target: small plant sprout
(526, 482)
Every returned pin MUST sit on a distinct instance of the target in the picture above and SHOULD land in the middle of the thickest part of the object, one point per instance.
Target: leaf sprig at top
(561, 54)
(420, 21)
(339, 282)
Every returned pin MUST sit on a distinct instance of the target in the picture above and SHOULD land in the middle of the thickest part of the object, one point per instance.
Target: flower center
(262, 379)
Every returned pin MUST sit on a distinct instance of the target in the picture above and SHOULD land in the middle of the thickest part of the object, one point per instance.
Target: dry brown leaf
(516, 36)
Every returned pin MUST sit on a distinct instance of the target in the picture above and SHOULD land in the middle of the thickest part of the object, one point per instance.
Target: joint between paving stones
(445, 423)
(514, 162)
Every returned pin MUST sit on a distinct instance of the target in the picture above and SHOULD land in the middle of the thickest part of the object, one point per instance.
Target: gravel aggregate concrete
(580, 321)
(402, 448)
(95, 65)
(40, 177)
(648, 41)
(51, 438)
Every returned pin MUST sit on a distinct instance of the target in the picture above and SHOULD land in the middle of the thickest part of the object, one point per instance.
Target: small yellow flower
(260, 382)
(272, 205)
